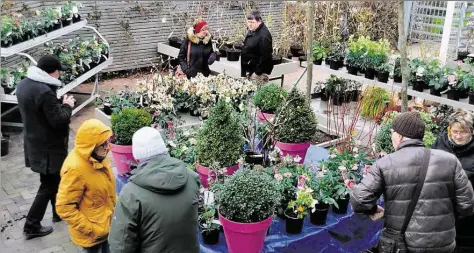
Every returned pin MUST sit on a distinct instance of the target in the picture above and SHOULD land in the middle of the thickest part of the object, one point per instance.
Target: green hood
(162, 174)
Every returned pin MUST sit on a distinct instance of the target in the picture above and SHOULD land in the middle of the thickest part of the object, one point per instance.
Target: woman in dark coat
(201, 53)
(458, 141)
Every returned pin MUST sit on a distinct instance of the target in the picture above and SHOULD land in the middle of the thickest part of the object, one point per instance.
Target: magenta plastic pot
(294, 149)
(123, 158)
(245, 237)
(263, 117)
(204, 173)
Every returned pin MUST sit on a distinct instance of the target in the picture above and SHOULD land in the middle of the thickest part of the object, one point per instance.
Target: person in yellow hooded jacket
(86, 195)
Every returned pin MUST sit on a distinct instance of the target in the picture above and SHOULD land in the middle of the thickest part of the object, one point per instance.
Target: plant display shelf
(40, 40)
(392, 86)
(233, 68)
(17, 50)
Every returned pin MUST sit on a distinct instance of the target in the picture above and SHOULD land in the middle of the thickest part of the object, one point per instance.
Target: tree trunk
(309, 51)
(403, 55)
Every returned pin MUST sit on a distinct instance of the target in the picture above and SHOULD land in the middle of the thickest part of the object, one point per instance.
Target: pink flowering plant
(181, 143)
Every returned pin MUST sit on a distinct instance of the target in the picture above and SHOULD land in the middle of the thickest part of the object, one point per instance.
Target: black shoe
(43, 231)
(56, 218)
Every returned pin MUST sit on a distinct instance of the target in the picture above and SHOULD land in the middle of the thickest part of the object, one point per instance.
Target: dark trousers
(99, 248)
(46, 193)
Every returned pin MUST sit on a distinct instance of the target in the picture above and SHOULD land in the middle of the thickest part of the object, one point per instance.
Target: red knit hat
(199, 26)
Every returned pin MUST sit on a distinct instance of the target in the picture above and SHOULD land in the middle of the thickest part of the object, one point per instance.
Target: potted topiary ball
(124, 124)
(220, 140)
(295, 125)
(247, 201)
(268, 100)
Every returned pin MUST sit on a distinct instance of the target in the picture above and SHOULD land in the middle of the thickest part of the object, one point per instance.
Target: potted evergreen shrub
(268, 100)
(397, 71)
(323, 195)
(298, 209)
(383, 72)
(220, 141)
(124, 124)
(336, 89)
(247, 201)
(354, 56)
(209, 228)
(336, 56)
(295, 125)
(319, 52)
(67, 14)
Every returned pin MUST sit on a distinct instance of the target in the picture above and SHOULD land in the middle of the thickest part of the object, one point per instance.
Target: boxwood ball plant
(126, 122)
(220, 138)
(270, 98)
(249, 196)
(296, 122)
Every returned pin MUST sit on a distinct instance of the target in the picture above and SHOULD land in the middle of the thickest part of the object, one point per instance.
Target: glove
(212, 58)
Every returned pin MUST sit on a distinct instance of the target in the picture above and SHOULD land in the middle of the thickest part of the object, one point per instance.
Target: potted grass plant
(220, 141)
(295, 125)
(247, 201)
(124, 124)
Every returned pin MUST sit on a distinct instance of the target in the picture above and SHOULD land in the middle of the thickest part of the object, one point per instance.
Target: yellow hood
(90, 134)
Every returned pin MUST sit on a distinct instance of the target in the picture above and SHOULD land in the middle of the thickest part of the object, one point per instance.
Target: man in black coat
(256, 61)
(45, 130)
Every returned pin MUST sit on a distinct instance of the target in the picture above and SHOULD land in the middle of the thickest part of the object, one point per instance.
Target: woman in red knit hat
(196, 52)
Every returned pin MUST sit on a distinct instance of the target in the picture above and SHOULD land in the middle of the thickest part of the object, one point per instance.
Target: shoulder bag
(394, 242)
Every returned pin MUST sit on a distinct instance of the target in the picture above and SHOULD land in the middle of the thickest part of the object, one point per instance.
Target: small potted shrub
(209, 228)
(437, 81)
(319, 52)
(295, 125)
(52, 18)
(247, 201)
(295, 50)
(336, 89)
(470, 77)
(124, 124)
(268, 100)
(336, 56)
(67, 14)
(383, 72)
(298, 209)
(318, 89)
(323, 195)
(354, 56)
(353, 88)
(462, 54)
(7, 27)
(220, 140)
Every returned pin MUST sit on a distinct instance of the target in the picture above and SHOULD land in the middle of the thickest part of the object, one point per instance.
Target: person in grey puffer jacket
(445, 195)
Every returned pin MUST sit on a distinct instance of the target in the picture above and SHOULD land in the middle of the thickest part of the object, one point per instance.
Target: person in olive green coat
(157, 211)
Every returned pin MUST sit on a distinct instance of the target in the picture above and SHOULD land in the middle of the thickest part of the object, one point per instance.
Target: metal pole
(448, 21)
(309, 53)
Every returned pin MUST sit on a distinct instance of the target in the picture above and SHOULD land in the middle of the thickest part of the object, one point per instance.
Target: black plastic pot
(471, 99)
(239, 45)
(66, 22)
(195, 114)
(57, 25)
(40, 31)
(453, 94)
(49, 29)
(318, 62)
(210, 237)
(348, 96)
(397, 79)
(175, 42)
(355, 95)
(223, 51)
(28, 35)
(318, 217)
(289, 56)
(293, 225)
(370, 73)
(343, 205)
(5, 45)
(276, 60)
(107, 109)
(382, 76)
(419, 86)
(8, 90)
(315, 95)
(463, 94)
(76, 18)
(462, 55)
(337, 99)
(324, 96)
(435, 92)
(233, 54)
(253, 158)
(341, 64)
(327, 62)
(352, 70)
(17, 40)
(295, 50)
(334, 65)
(5, 146)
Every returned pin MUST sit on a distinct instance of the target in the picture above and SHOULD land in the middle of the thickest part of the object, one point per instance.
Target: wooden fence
(133, 28)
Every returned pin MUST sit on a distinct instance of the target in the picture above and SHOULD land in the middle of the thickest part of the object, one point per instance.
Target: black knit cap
(50, 63)
(409, 124)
